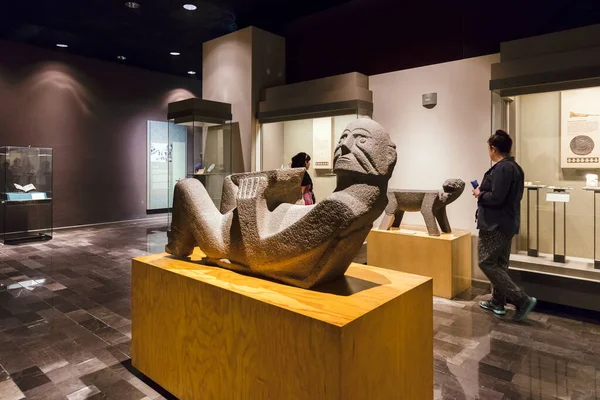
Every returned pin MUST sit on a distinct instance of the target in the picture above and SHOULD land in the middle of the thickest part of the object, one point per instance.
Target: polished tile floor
(65, 329)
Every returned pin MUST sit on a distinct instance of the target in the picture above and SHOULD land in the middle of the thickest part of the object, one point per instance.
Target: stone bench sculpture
(260, 230)
(431, 203)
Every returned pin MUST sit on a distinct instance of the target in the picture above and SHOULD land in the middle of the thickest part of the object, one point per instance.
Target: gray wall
(235, 68)
(94, 115)
(448, 141)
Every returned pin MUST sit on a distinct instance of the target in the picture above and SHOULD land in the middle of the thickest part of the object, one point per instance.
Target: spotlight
(62, 45)
(192, 72)
(175, 53)
(132, 4)
(189, 7)
(121, 58)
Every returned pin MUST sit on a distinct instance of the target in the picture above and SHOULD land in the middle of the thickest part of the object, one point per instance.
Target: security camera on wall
(429, 100)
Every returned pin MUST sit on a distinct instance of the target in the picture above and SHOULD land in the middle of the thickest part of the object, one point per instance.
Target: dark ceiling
(324, 37)
(106, 29)
(379, 36)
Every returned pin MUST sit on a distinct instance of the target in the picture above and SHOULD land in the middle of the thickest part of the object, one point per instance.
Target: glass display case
(280, 141)
(26, 198)
(546, 95)
(557, 142)
(200, 145)
(309, 117)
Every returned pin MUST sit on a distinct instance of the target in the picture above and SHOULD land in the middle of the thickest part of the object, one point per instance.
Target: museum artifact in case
(26, 198)
(260, 230)
(431, 203)
(201, 133)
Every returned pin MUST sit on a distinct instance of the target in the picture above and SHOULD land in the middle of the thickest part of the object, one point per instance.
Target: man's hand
(476, 192)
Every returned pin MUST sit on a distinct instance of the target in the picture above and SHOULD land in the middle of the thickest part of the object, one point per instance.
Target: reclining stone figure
(431, 203)
(261, 231)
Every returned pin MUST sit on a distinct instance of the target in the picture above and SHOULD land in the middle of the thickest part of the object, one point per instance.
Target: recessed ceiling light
(192, 72)
(62, 45)
(121, 58)
(132, 4)
(175, 53)
(189, 7)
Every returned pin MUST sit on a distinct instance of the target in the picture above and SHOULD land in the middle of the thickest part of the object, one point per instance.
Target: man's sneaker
(488, 305)
(525, 309)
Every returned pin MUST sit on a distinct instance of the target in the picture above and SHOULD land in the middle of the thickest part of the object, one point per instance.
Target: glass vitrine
(26, 197)
(200, 143)
(279, 141)
(557, 142)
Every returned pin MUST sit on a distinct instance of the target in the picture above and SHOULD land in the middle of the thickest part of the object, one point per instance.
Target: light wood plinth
(445, 258)
(208, 333)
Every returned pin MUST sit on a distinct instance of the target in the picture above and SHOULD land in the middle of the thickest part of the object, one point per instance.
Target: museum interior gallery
(316, 200)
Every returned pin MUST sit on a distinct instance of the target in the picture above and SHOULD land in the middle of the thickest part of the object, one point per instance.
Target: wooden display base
(445, 258)
(208, 333)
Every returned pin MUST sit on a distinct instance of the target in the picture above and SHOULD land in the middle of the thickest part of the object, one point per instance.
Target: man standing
(498, 220)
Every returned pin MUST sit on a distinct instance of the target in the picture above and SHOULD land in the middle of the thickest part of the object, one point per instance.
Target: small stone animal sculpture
(262, 231)
(432, 204)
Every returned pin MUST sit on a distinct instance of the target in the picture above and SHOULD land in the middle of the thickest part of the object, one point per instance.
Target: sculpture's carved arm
(325, 220)
(318, 225)
(252, 208)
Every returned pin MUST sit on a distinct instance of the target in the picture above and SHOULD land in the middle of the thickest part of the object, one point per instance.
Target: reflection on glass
(546, 129)
(318, 137)
(202, 150)
(26, 183)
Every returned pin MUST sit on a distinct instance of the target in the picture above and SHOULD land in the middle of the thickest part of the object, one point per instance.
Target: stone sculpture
(260, 230)
(431, 203)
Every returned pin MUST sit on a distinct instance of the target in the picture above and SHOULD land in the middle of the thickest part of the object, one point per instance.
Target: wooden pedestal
(445, 258)
(208, 333)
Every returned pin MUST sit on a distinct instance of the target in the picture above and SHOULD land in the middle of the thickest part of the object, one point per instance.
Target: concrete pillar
(235, 68)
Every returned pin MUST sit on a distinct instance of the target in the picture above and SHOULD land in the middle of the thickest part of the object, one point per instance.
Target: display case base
(204, 332)
(560, 258)
(533, 253)
(445, 258)
(32, 237)
(575, 283)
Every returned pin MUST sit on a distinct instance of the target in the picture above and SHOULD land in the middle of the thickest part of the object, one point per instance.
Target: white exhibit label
(38, 196)
(322, 142)
(558, 197)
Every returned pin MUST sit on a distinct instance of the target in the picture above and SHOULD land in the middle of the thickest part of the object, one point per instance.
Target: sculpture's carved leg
(390, 211)
(398, 218)
(386, 222)
(442, 218)
(196, 220)
(228, 197)
(181, 239)
(427, 212)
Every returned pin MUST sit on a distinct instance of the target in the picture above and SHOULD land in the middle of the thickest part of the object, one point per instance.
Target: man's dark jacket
(501, 191)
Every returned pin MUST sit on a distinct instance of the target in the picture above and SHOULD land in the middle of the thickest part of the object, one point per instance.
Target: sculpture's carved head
(453, 188)
(365, 148)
